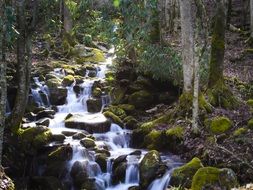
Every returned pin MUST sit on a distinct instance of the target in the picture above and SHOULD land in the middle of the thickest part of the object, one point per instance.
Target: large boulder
(184, 174)
(141, 99)
(94, 105)
(214, 178)
(58, 95)
(85, 54)
(151, 167)
(79, 174)
(34, 138)
(56, 164)
(119, 169)
(89, 123)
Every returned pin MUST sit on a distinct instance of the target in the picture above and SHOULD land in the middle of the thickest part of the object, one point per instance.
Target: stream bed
(116, 139)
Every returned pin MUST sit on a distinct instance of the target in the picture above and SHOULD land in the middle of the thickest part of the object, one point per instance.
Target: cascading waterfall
(117, 139)
(40, 90)
(161, 183)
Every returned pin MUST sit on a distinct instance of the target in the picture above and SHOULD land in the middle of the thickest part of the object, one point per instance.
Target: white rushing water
(116, 139)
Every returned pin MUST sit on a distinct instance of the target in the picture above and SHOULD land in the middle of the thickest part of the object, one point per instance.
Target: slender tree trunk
(229, 11)
(251, 19)
(68, 23)
(20, 101)
(187, 43)
(3, 82)
(218, 45)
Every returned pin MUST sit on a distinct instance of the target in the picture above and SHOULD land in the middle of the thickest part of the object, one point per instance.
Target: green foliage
(162, 63)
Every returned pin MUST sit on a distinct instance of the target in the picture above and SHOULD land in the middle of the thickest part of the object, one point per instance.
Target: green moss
(53, 82)
(250, 124)
(240, 132)
(213, 177)
(177, 131)
(153, 140)
(152, 124)
(130, 122)
(34, 137)
(221, 96)
(62, 153)
(68, 80)
(113, 117)
(57, 64)
(185, 105)
(117, 111)
(250, 102)
(127, 107)
(95, 55)
(184, 174)
(220, 125)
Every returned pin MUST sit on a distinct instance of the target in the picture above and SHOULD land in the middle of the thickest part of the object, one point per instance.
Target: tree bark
(218, 45)
(3, 82)
(20, 101)
(68, 23)
(187, 43)
(251, 19)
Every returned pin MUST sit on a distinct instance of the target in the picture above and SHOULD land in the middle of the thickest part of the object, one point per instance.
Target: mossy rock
(221, 96)
(150, 168)
(114, 118)
(62, 153)
(88, 143)
(54, 83)
(51, 76)
(94, 105)
(214, 178)
(94, 55)
(250, 103)
(130, 122)
(101, 159)
(154, 140)
(184, 174)
(34, 138)
(128, 108)
(185, 105)
(239, 132)
(68, 80)
(177, 132)
(250, 124)
(117, 95)
(69, 71)
(170, 140)
(220, 125)
(141, 99)
(97, 92)
(117, 111)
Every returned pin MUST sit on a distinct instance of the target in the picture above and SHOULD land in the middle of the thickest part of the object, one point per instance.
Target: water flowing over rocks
(86, 140)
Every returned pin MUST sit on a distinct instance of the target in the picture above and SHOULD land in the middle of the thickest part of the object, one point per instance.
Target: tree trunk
(251, 19)
(217, 46)
(3, 82)
(68, 23)
(21, 97)
(187, 43)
